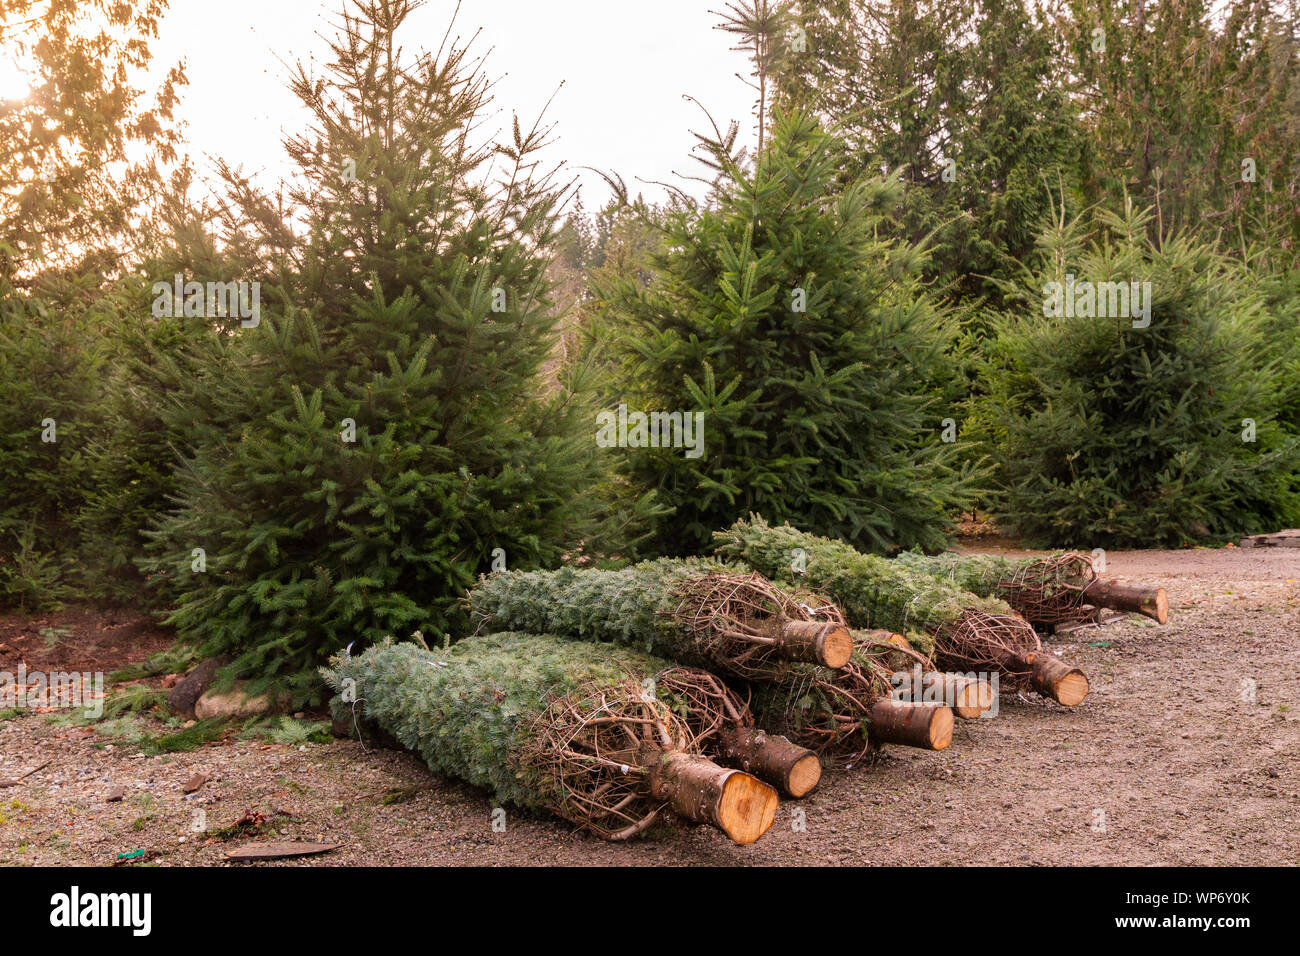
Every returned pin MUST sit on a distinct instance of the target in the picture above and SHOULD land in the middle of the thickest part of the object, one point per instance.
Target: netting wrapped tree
(970, 633)
(1057, 588)
(725, 728)
(576, 729)
(706, 614)
(846, 715)
(697, 613)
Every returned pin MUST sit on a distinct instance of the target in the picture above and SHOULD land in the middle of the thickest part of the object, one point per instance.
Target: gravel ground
(1167, 762)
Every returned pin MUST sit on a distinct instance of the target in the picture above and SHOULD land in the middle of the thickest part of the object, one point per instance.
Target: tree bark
(772, 758)
(928, 726)
(1149, 602)
(967, 696)
(817, 642)
(741, 806)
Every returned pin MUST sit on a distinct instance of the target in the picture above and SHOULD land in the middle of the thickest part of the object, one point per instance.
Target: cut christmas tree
(577, 729)
(792, 648)
(697, 613)
(970, 634)
(724, 727)
(1058, 588)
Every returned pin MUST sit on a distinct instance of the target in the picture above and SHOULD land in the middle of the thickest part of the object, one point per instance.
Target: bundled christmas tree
(725, 729)
(386, 429)
(1058, 588)
(694, 612)
(970, 633)
(581, 730)
(846, 715)
(794, 649)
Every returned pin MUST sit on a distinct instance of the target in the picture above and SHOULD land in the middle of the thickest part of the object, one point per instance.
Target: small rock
(114, 795)
(185, 695)
(233, 703)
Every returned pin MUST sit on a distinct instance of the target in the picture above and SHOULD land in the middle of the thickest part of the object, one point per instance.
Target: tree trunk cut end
(973, 697)
(1134, 599)
(747, 809)
(817, 642)
(926, 726)
(740, 805)
(1056, 679)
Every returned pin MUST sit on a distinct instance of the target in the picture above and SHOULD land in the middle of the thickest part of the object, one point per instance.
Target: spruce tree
(81, 157)
(384, 433)
(1155, 427)
(776, 311)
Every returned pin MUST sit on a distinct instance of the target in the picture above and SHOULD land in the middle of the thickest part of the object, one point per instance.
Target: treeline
(977, 256)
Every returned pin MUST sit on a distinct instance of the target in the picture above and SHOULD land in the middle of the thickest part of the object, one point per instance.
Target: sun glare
(15, 82)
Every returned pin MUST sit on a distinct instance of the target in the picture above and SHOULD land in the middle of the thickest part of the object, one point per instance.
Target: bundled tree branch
(697, 613)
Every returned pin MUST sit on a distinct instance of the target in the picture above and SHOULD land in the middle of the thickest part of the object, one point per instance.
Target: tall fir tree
(384, 433)
(83, 154)
(966, 100)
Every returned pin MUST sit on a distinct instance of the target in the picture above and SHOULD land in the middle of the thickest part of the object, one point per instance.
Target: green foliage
(31, 579)
(805, 341)
(1116, 436)
(469, 711)
(134, 700)
(977, 573)
(631, 606)
(293, 732)
(48, 395)
(871, 591)
(82, 167)
(1183, 93)
(175, 660)
(414, 307)
(917, 85)
(187, 738)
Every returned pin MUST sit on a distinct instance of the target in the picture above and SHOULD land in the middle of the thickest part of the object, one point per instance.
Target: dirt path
(1167, 762)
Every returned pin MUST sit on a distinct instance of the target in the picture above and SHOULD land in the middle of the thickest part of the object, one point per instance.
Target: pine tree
(384, 433)
(803, 339)
(966, 99)
(74, 201)
(1118, 433)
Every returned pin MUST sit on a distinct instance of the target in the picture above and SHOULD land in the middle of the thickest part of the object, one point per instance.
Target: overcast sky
(624, 67)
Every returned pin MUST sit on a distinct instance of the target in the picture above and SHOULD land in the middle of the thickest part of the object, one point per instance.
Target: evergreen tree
(1118, 434)
(358, 457)
(73, 200)
(1190, 112)
(966, 100)
(805, 342)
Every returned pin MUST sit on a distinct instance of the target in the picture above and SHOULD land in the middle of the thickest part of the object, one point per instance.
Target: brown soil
(1168, 761)
(96, 639)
